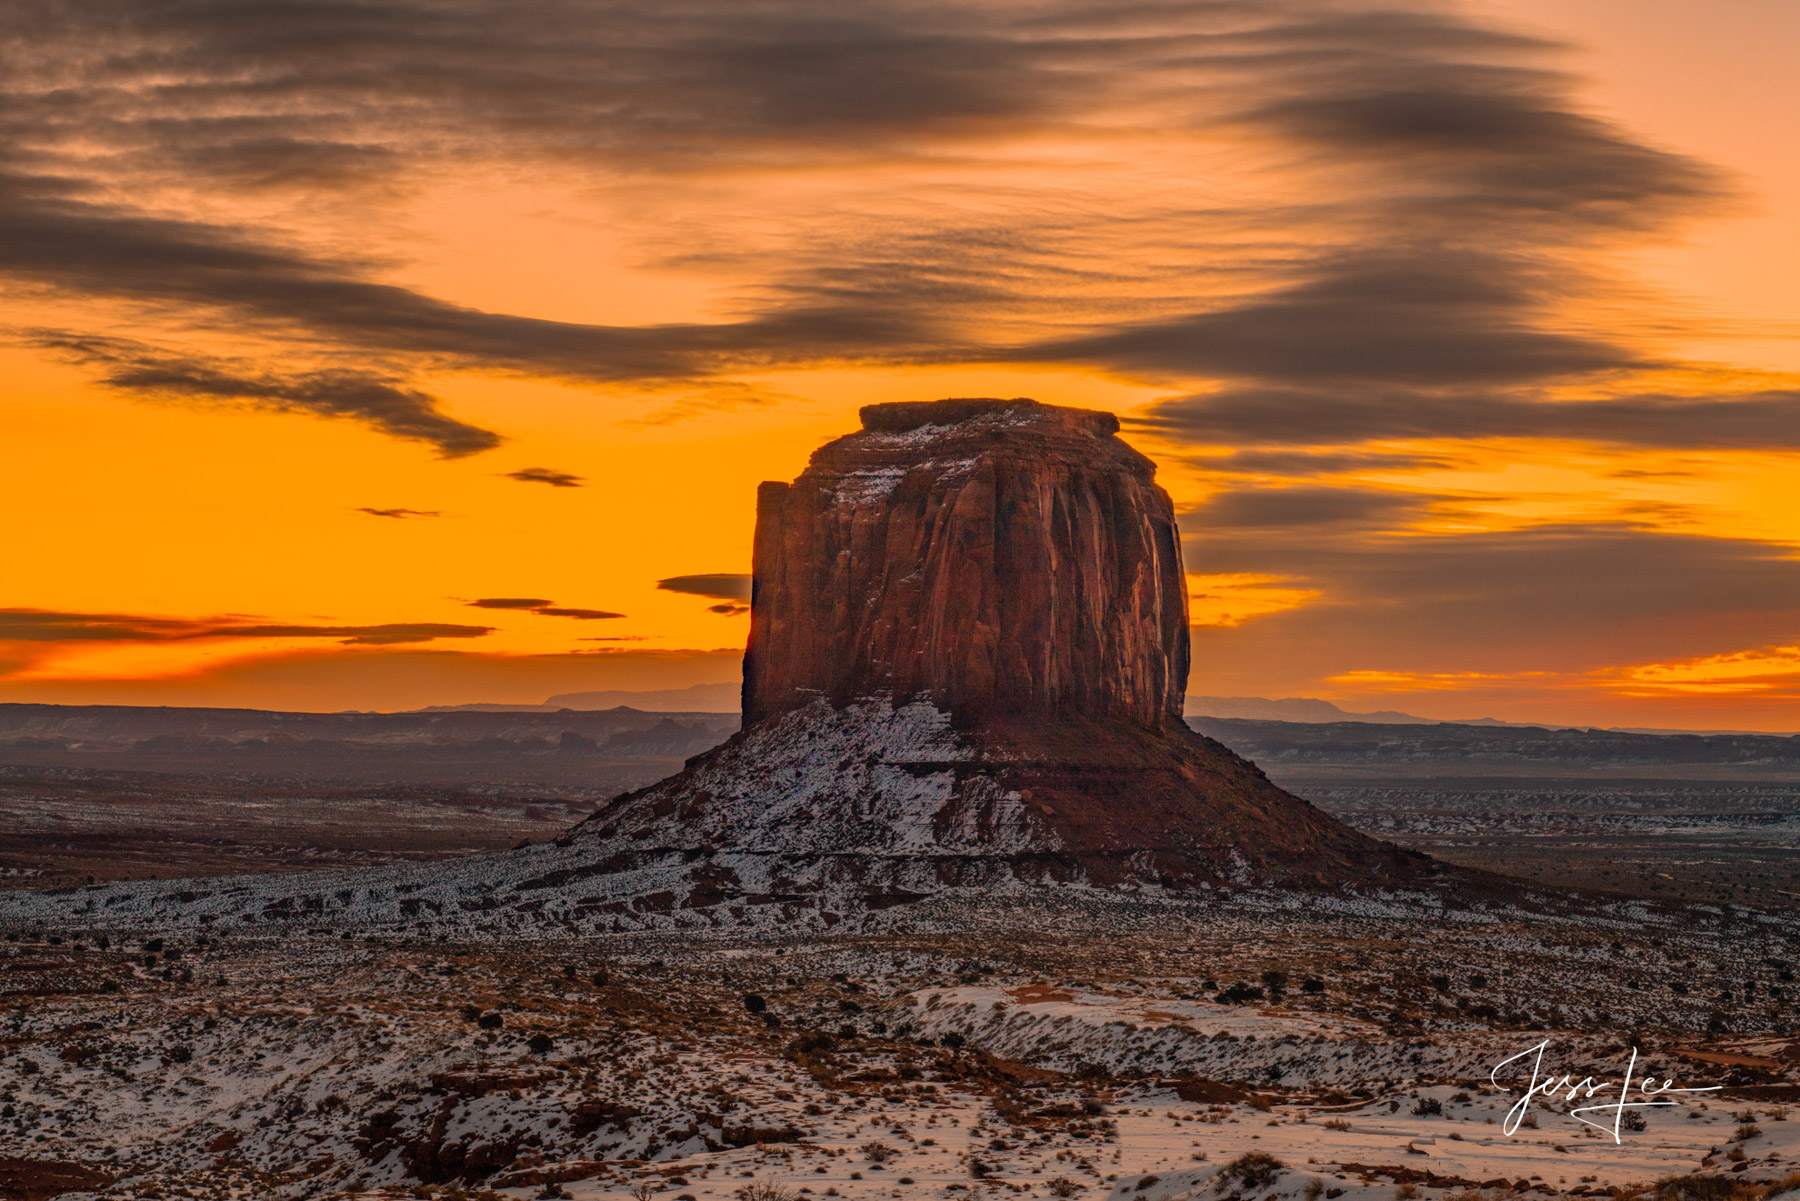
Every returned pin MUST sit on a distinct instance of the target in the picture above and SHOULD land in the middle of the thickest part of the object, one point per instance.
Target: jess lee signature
(1571, 1089)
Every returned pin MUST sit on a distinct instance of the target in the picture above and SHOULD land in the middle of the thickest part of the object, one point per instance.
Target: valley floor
(1086, 1051)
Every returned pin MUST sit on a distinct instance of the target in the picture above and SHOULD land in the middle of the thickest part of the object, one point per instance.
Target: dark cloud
(1394, 594)
(1302, 464)
(1294, 508)
(1411, 317)
(510, 602)
(547, 608)
(1558, 597)
(729, 610)
(724, 586)
(1448, 193)
(47, 625)
(1305, 417)
(392, 634)
(380, 402)
(544, 475)
(399, 514)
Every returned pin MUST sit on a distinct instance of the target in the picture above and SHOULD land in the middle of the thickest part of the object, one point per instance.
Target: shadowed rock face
(1002, 558)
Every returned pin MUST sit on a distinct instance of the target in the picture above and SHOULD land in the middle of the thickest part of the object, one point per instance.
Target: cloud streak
(545, 608)
(545, 475)
(1271, 417)
(731, 586)
(57, 626)
(380, 402)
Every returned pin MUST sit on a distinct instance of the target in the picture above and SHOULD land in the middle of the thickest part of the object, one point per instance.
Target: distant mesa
(1307, 710)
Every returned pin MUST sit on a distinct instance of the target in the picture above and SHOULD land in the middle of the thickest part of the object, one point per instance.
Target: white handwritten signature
(1585, 1089)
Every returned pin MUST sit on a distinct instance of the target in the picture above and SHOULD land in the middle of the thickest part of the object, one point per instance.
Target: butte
(967, 660)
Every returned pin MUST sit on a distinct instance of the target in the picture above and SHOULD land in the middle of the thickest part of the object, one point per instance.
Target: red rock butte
(998, 557)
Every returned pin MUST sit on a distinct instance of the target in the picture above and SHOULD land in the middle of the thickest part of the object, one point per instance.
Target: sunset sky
(378, 355)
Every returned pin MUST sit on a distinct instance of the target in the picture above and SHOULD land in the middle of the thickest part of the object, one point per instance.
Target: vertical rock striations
(997, 557)
(967, 659)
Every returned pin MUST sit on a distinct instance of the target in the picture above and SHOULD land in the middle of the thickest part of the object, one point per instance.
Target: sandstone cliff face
(1001, 558)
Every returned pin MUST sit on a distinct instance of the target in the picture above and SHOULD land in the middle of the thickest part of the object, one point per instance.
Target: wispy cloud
(546, 608)
(398, 514)
(732, 586)
(52, 626)
(545, 475)
(381, 402)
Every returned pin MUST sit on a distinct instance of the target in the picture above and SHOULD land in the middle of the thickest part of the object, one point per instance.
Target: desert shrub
(1338, 1124)
(1239, 994)
(979, 1168)
(877, 1152)
(754, 1003)
(471, 1013)
(490, 1021)
(181, 1053)
(541, 1043)
(1254, 1171)
(600, 979)
(1312, 986)
(767, 1191)
(1062, 1186)
(1146, 1182)
(1275, 981)
(1745, 1132)
(1697, 1188)
(1634, 1120)
(1428, 1106)
(953, 1040)
(816, 1043)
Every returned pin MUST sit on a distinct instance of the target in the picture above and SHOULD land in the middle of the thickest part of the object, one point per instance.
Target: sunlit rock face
(1001, 558)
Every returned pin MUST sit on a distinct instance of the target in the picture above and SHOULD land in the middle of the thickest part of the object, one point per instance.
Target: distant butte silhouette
(967, 657)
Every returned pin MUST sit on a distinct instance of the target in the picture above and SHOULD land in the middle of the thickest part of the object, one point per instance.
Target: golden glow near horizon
(1468, 359)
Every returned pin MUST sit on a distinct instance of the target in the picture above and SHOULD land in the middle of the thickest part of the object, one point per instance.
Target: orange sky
(1464, 335)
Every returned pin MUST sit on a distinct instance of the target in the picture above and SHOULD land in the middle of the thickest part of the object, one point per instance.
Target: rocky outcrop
(998, 557)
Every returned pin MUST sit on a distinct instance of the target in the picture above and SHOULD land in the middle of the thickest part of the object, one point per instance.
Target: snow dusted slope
(796, 822)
